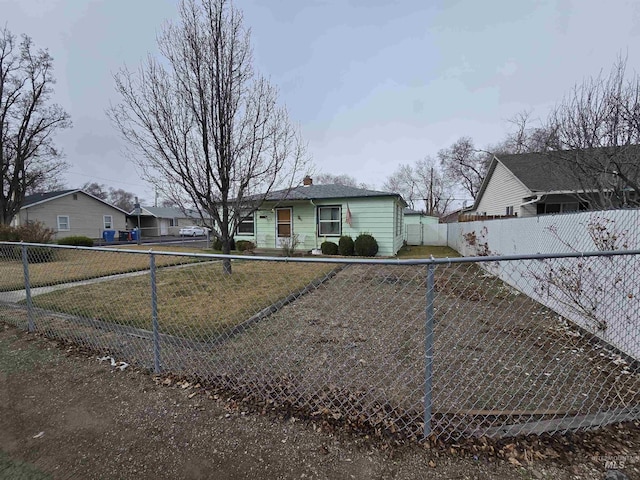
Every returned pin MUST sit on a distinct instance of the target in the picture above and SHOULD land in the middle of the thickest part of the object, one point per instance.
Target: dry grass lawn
(196, 301)
(426, 251)
(75, 265)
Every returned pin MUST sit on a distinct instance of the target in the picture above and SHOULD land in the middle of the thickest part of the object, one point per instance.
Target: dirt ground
(64, 414)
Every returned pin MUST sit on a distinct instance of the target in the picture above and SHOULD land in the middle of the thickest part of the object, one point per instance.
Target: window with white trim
(246, 225)
(63, 223)
(330, 221)
(108, 221)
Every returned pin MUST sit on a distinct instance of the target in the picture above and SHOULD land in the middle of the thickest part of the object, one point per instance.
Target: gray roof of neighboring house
(37, 198)
(539, 172)
(167, 212)
(323, 192)
(41, 197)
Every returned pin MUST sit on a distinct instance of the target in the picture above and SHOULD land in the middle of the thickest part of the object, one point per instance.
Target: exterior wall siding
(503, 190)
(375, 216)
(85, 215)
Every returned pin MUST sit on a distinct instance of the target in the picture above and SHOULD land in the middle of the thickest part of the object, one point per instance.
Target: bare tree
(465, 164)
(527, 135)
(28, 121)
(422, 185)
(596, 132)
(341, 179)
(115, 196)
(122, 199)
(96, 189)
(44, 183)
(203, 125)
(168, 203)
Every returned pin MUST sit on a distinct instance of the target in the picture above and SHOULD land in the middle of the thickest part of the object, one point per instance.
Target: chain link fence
(450, 348)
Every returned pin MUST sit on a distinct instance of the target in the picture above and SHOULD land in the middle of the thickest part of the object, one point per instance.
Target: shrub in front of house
(244, 245)
(8, 234)
(76, 241)
(345, 246)
(365, 245)
(329, 248)
(35, 232)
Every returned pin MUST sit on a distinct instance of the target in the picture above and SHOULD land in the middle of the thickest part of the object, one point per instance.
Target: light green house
(313, 214)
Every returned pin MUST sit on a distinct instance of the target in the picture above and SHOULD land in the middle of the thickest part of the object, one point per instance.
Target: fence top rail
(359, 260)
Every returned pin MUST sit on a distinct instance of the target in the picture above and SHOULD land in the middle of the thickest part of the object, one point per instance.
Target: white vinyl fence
(426, 234)
(601, 295)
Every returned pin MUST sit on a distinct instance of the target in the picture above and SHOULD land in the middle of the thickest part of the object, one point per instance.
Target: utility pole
(431, 193)
(139, 235)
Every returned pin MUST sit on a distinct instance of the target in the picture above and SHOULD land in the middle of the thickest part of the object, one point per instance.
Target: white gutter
(535, 199)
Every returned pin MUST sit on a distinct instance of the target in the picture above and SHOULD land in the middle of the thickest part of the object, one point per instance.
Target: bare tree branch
(29, 161)
(465, 164)
(423, 184)
(202, 125)
(596, 132)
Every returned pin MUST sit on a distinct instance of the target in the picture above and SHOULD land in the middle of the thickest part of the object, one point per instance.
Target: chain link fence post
(154, 315)
(428, 350)
(31, 326)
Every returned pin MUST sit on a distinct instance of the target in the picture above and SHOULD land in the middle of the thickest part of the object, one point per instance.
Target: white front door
(164, 226)
(284, 225)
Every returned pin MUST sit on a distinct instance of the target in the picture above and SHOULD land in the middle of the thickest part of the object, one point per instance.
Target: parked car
(192, 231)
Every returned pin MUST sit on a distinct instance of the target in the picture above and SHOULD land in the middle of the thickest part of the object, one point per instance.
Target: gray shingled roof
(322, 192)
(41, 197)
(539, 173)
(544, 173)
(409, 211)
(167, 212)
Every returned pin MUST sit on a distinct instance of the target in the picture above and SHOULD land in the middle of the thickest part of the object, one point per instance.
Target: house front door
(164, 226)
(284, 225)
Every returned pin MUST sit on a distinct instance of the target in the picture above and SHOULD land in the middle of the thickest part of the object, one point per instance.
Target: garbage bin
(109, 235)
(134, 234)
(124, 235)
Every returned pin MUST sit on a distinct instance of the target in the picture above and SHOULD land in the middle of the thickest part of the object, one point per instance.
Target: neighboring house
(526, 185)
(71, 212)
(315, 213)
(160, 221)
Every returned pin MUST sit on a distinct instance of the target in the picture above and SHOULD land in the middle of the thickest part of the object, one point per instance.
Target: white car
(192, 231)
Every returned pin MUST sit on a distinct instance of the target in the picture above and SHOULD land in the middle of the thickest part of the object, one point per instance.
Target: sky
(372, 84)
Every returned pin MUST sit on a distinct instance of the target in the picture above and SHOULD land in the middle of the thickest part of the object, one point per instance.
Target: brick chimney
(307, 181)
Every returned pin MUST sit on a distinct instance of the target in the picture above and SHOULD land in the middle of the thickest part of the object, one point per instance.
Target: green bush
(243, 245)
(329, 248)
(365, 245)
(77, 241)
(345, 246)
(217, 244)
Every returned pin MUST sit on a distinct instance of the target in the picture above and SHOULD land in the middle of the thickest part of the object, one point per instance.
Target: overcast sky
(372, 83)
